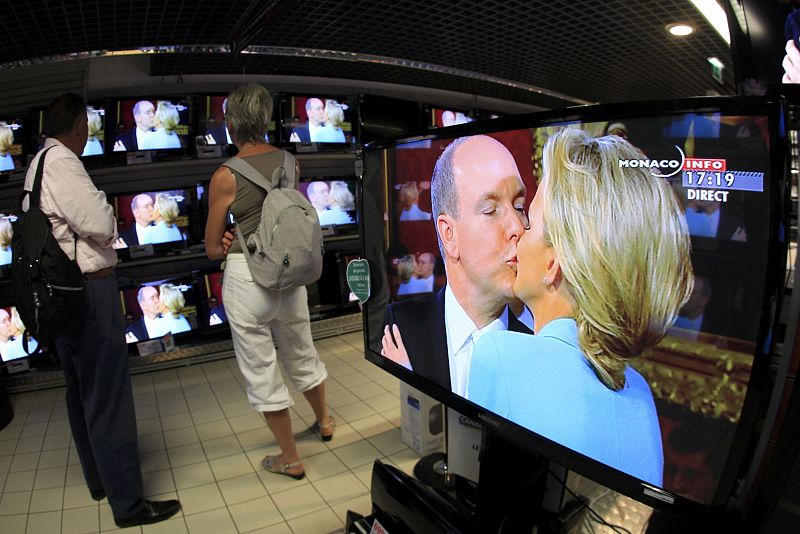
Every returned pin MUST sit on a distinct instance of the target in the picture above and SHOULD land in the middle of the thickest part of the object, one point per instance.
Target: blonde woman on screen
(605, 268)
(166, 121)
(173, 302)
(6, 233)
(165, 229)
(6, 141)
(95, 123)
(331, 130)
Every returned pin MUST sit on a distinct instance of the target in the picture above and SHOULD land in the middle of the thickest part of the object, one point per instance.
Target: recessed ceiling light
(679, 29)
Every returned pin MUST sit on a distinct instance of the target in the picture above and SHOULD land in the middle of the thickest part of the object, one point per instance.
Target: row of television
(178, 127)
(184, 305)
(172, 221)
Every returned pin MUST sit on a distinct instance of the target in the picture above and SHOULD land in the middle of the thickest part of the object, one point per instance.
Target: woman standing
(256, 314)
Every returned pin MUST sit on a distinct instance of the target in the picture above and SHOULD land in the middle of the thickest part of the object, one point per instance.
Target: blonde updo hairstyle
(168, 208)
(172, 299)
(622, 243)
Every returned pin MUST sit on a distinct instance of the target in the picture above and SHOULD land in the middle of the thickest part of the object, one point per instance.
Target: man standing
(144, 114)
(144, 215)
(479, 207)
(315, 111)
(93, 354)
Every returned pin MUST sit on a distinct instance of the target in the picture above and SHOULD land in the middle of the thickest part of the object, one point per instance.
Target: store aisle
(200, 442)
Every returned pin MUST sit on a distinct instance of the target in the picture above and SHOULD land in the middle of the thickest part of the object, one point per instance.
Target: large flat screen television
(335, 202)
(719, 168)
(211, 127)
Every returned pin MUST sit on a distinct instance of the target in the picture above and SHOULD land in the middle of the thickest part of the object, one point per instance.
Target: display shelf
(199, 352)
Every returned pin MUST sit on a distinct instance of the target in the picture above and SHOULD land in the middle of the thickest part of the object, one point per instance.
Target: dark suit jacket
(130, 236)
(421, 324)
(138, 329)
(219, 134)
(129, 140)
(728, 224)
(303, 133)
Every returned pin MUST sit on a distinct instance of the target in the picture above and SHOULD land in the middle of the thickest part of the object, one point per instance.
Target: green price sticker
(358, 279)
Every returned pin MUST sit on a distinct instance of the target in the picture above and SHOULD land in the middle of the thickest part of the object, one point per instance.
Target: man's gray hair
(249, 112)
(140, 295)
(444, 196)
(308, 102)
(135, 200)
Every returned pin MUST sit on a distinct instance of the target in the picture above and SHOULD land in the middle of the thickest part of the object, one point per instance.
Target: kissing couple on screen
(604, 276)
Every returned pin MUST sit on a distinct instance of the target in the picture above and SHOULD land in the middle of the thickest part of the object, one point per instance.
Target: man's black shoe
(152, 512)
(98, 495)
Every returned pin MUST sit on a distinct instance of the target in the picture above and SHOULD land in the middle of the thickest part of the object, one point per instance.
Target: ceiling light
(679, 30)
(715, 15)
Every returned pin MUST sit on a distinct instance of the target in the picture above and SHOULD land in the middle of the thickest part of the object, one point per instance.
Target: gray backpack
(286, 249)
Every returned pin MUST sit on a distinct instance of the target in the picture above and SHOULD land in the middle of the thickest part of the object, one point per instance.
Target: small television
(382, 117)
(159, 125)
(12, 144)
(317, 121)
(335, 202)
(12, 332)
(154, 222)
(212, 305)
(725, 160)
(444, 117)
(96, 141)
(211, 127)
(6, 235)
(155, 308)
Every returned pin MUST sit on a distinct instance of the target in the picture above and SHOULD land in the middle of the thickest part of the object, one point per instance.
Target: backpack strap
(249, 172)
(36, 188)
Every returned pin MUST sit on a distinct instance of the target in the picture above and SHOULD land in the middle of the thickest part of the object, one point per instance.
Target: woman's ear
(448, 236)
(553, 270)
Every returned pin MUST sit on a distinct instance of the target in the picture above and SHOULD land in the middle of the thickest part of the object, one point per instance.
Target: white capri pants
(255, 315)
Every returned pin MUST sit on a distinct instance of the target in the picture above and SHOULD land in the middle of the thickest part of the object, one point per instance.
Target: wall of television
(164, 127)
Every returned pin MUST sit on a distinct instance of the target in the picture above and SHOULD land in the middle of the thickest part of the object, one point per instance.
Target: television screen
(211, 123)
(317, 119)
(334, 200)
(442, 118)
(12, 144)
(159, 307)
(11, 336)
(152, 218)
(96, 117)
(6, 234)
(150, 124)
(675, 431)
(214, 309)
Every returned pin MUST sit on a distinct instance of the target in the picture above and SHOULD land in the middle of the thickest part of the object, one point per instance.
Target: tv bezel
(758, 384)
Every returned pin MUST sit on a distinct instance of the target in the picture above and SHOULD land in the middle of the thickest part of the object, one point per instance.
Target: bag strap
(250, 173)
(36, 188)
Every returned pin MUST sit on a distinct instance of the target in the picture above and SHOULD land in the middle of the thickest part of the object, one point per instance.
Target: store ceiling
(548, 53)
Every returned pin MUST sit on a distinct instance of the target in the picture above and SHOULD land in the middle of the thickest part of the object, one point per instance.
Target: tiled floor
(200, 442)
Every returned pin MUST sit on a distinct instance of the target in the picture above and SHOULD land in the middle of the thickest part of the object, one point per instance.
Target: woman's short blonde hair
(16, 322)
(621, 239)
(168, 208)
(6, 138)
(167, 114)
(172, 299)
(94, 122)
(342, 197)
(405, 267)
(248, 113)
(6, 233)
(335, 113)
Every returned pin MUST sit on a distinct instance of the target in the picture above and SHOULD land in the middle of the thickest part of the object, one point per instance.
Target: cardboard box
(421, 421)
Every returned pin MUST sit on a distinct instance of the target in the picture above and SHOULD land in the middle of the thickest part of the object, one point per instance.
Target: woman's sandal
(271, 464)
(326, 431)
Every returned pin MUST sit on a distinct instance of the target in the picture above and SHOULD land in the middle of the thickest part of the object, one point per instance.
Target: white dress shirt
(462, 334)
(72, 203)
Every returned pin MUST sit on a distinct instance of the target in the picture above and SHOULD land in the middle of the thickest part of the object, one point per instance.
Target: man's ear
(446, 229)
